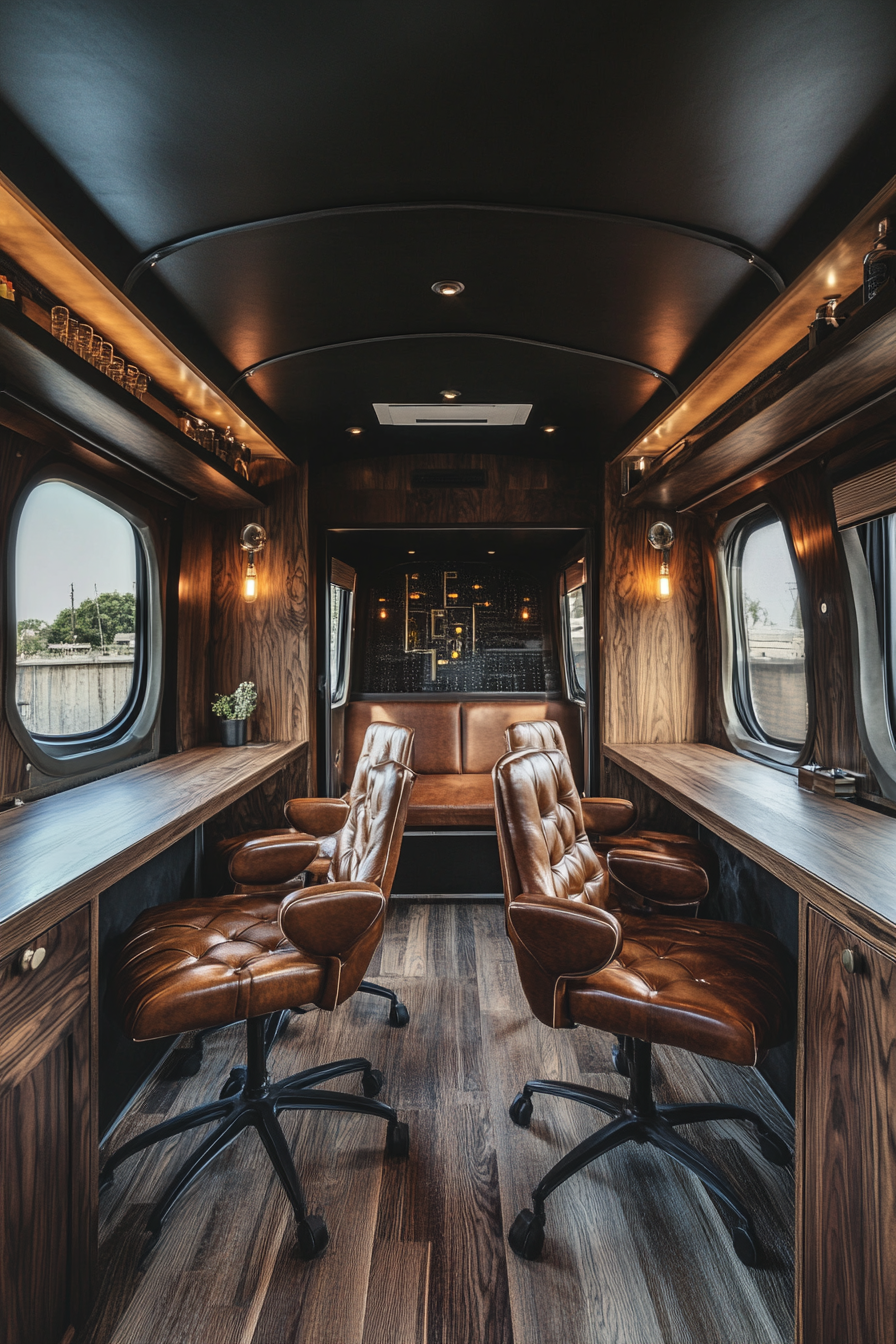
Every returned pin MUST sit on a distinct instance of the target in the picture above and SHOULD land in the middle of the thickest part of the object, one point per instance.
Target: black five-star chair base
(253, 1101)
(639, 1119)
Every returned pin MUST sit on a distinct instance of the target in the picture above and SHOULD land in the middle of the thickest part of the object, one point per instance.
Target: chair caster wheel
(235, 1083)
(185, 1064)
(398, 1140)
(620, 1060)
(372, 1082)
(398, 1015)
(745, 1247)
(521, 1111)
(774, 1149)
(312, 1237)
(526, 1236)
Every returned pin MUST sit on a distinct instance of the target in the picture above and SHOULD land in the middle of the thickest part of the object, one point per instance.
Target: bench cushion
(452, 800)
(483, 723)
(437, 728)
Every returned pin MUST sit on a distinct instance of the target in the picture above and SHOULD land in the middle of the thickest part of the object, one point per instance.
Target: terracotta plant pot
(233, 732)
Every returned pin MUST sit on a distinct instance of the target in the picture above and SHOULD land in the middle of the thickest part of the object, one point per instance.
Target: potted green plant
(233, 711)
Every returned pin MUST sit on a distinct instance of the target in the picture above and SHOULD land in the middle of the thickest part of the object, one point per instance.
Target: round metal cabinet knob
(851, 959)
(32, 958)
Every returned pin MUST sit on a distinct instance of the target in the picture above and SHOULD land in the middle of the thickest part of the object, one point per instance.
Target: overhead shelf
(797, 414)
(42, 377)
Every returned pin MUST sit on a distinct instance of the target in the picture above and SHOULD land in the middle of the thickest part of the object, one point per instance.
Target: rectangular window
(340, 643)
(572, 612)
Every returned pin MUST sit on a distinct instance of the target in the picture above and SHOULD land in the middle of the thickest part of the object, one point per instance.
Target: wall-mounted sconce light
(524, 610)
(661, 538)
(252, 539)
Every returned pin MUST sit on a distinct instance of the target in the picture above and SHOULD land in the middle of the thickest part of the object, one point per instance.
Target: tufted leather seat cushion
(718, 989)
(196, 964)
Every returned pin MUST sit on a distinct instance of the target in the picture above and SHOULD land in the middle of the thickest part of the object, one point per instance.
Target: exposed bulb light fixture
(252, 539)
(448, 288)
(661, 538)
(450, 394)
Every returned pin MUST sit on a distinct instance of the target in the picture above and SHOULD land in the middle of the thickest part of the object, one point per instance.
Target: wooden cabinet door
(849, 1152)
(46, 1185)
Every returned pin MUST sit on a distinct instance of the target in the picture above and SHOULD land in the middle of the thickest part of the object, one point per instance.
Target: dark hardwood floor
(636, 1251)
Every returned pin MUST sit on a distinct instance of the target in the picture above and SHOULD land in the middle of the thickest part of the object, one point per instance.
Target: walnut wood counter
(56, 853)
(841, 856)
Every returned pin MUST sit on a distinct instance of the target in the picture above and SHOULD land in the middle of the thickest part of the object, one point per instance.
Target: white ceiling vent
(398, 413)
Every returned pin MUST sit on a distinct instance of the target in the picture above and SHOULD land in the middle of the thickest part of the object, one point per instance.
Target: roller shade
(574, 576)
(342, 574)
(871, 495)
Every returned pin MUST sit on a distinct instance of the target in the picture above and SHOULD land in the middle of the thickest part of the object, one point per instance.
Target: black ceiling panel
(771, 123)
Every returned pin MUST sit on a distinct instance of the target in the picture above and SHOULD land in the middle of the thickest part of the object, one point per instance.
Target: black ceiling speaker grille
(454, 478)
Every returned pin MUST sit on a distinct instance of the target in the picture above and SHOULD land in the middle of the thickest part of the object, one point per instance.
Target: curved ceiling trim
(449, 336)
(733, 245)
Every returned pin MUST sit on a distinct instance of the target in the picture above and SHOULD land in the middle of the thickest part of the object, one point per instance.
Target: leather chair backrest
(382, 742)
(370, 841)
(541, 834)
(536, 736)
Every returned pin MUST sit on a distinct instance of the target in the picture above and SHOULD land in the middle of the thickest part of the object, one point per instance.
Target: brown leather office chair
(208, 963)
(715, 989)
(323, 818)
(610, 822)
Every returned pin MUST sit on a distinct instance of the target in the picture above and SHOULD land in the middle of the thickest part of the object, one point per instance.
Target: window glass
(340, 643)
(878, 542)
(770, 655)
(577, 661)
(77, 626)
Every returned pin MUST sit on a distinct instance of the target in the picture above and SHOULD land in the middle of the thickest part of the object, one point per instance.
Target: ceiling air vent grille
(451, 478)
(441, 413)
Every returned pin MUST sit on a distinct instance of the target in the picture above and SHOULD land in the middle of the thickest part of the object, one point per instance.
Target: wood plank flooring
(636, 1251)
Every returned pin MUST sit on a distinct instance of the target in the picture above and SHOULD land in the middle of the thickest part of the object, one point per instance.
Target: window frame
(134, 732)
(873, 719)
(738, 716)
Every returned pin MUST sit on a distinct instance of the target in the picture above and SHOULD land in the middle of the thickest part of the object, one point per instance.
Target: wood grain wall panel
(653, 654)
(267, 641)
(378, 491)
(194, 651)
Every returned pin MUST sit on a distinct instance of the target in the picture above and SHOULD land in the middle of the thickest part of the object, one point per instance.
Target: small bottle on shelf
(879, 265)
(826, 320)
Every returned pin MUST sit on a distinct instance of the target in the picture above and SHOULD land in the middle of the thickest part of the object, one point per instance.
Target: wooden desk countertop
(56, 853)
(841, 856)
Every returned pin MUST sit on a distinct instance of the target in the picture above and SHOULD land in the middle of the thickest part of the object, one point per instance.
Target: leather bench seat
(452, 800)
(456, 743)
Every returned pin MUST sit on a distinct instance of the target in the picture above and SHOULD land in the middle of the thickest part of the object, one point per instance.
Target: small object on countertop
(835, 783)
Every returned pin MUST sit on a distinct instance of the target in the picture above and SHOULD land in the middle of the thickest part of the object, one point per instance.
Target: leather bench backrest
(484, 722)
(436, 727)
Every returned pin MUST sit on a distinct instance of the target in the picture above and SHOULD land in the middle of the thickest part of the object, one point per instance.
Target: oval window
(767, 664)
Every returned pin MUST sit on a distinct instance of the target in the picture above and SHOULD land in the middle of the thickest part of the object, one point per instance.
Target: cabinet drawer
(36, 1006)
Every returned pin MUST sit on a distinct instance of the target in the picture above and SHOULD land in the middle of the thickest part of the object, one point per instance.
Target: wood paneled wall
(365, 492)
(652, 655)
(267, 641)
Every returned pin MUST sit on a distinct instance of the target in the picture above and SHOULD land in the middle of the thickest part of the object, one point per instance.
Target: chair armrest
(327, 921)
(273, 860)
(317, 816)
(339, 924)
(566, 938)
(608, 816)
(658, 879)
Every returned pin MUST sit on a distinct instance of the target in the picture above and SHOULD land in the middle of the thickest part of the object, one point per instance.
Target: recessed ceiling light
(448, 288)
(549, 429)
(412, 552)
(491, 552)
(450, 394)
(354, 429)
